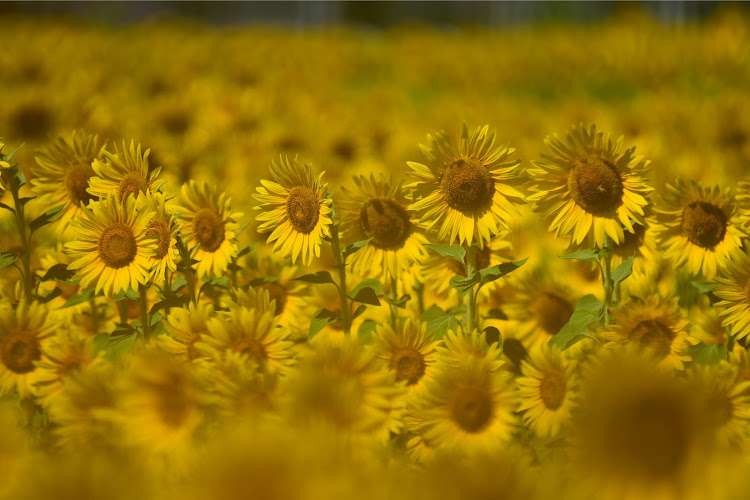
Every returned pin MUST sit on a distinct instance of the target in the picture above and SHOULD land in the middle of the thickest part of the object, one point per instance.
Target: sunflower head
(734, 291)
(125, 172)
(589, 185)
(163, 226)
(466, 191)
(295, 208)
(409, 352)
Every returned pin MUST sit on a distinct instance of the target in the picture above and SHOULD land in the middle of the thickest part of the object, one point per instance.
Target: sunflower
(295, 208)
(185, 326)
(734, 291)
(125, 172)
(251, 330)
(468, 189)
(163, 225)
(547, 390)
(707, 325)
(112, 246)
(339, 385)
(698, 227)
(66, 352)
(458, 347)
(64, 172)
(23, 333)
(588, 185)
(466, 408)
(410, 352)
(207, 216)
(654, 324)
(3, 164)
(378, 212)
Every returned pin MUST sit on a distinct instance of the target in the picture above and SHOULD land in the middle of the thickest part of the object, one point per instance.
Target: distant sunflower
(163, 225)
(22, 335)
(410, 352)
(458, 347)
(206, 216)
(295, 209)
(64, 172)
(253, 331)
(654, 324)
(124, 172)
(698, 227)
(466, 191)
(725, 400)
(588, 185)
(185, 326)
(379, 211)
(112, 247)
(734, 291)
(466, 408)
(547, 390)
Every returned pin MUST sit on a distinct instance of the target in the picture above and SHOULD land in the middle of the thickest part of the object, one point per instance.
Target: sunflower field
(273, 263)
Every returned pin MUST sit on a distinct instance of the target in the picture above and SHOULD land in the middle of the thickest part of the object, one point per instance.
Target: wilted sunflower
(547, 390)
(112, 247)
(124, 172)
(64, 172)
(466, 190)
(734, 290)
(163, 226)
(185, 326)
(206, 216)
(410, 352)
(697, 227)
(22, 334)
(379, 211)
(588, 185)
(466, 408)
(654, 324)
(295, 209)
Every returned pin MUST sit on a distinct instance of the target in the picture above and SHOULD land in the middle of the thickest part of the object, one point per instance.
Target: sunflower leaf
(464, 285)
(58, 272)
(354, 247)
(56, 292)
(622, 271)
(320, 320)
(366, 329)
(496, 314)
(246, 250)
(439, 322)
(490, 274)
(79, 298)
(45, 218)
(6, 207)
(365, 295)
(400, 302)
(585, 255)
(576, 329)
(7, 258)
(171, 301)
(707, 354)
(455, 252)
(320, 278)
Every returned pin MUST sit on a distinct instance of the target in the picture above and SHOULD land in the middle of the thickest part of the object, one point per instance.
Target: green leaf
(45, 218)
(126, 294)
(6, 207)
(58, 272)
(490, 274)
(321, 277)
(622, 271)
(366, 329)
(56, 292)
(367, 292)
(220, 281)
(156, 318)
(168, 302)
(496, 314)
(455, 252)
(492, 336)
(707, 354)
(354, 247)
(438, 321)
(79, 298)
(586, 255)
(246, 250)
(359, 312)
(515, 351)
(703, 286)
(117, 346)
(320, 320)
(263, 280)
(586, 312)
(7, 258)
(464, 285)
(400, 302)
(178, 282)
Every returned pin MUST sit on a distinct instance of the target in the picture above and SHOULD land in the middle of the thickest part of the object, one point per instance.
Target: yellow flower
(64, 172)
(207, 216)
(295, 209)
(547, 390)
(466, 191)
(458, 347)
(163, 226)
(22, 335)
(112, 248)
(184, 328)
(379, 212)
(410, 352)
(124, 172)
(588, 184)
(3, 164)
(732, 289)
(697, 227)
(654, 324)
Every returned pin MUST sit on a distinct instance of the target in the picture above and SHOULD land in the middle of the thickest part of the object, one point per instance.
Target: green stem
(143, 306)
(607, 278)
(25, 242)
(419, 291)
(341, 265)
(122, 308)
(189, 274)
(394, 296)
(471, 305)
(94, 315)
